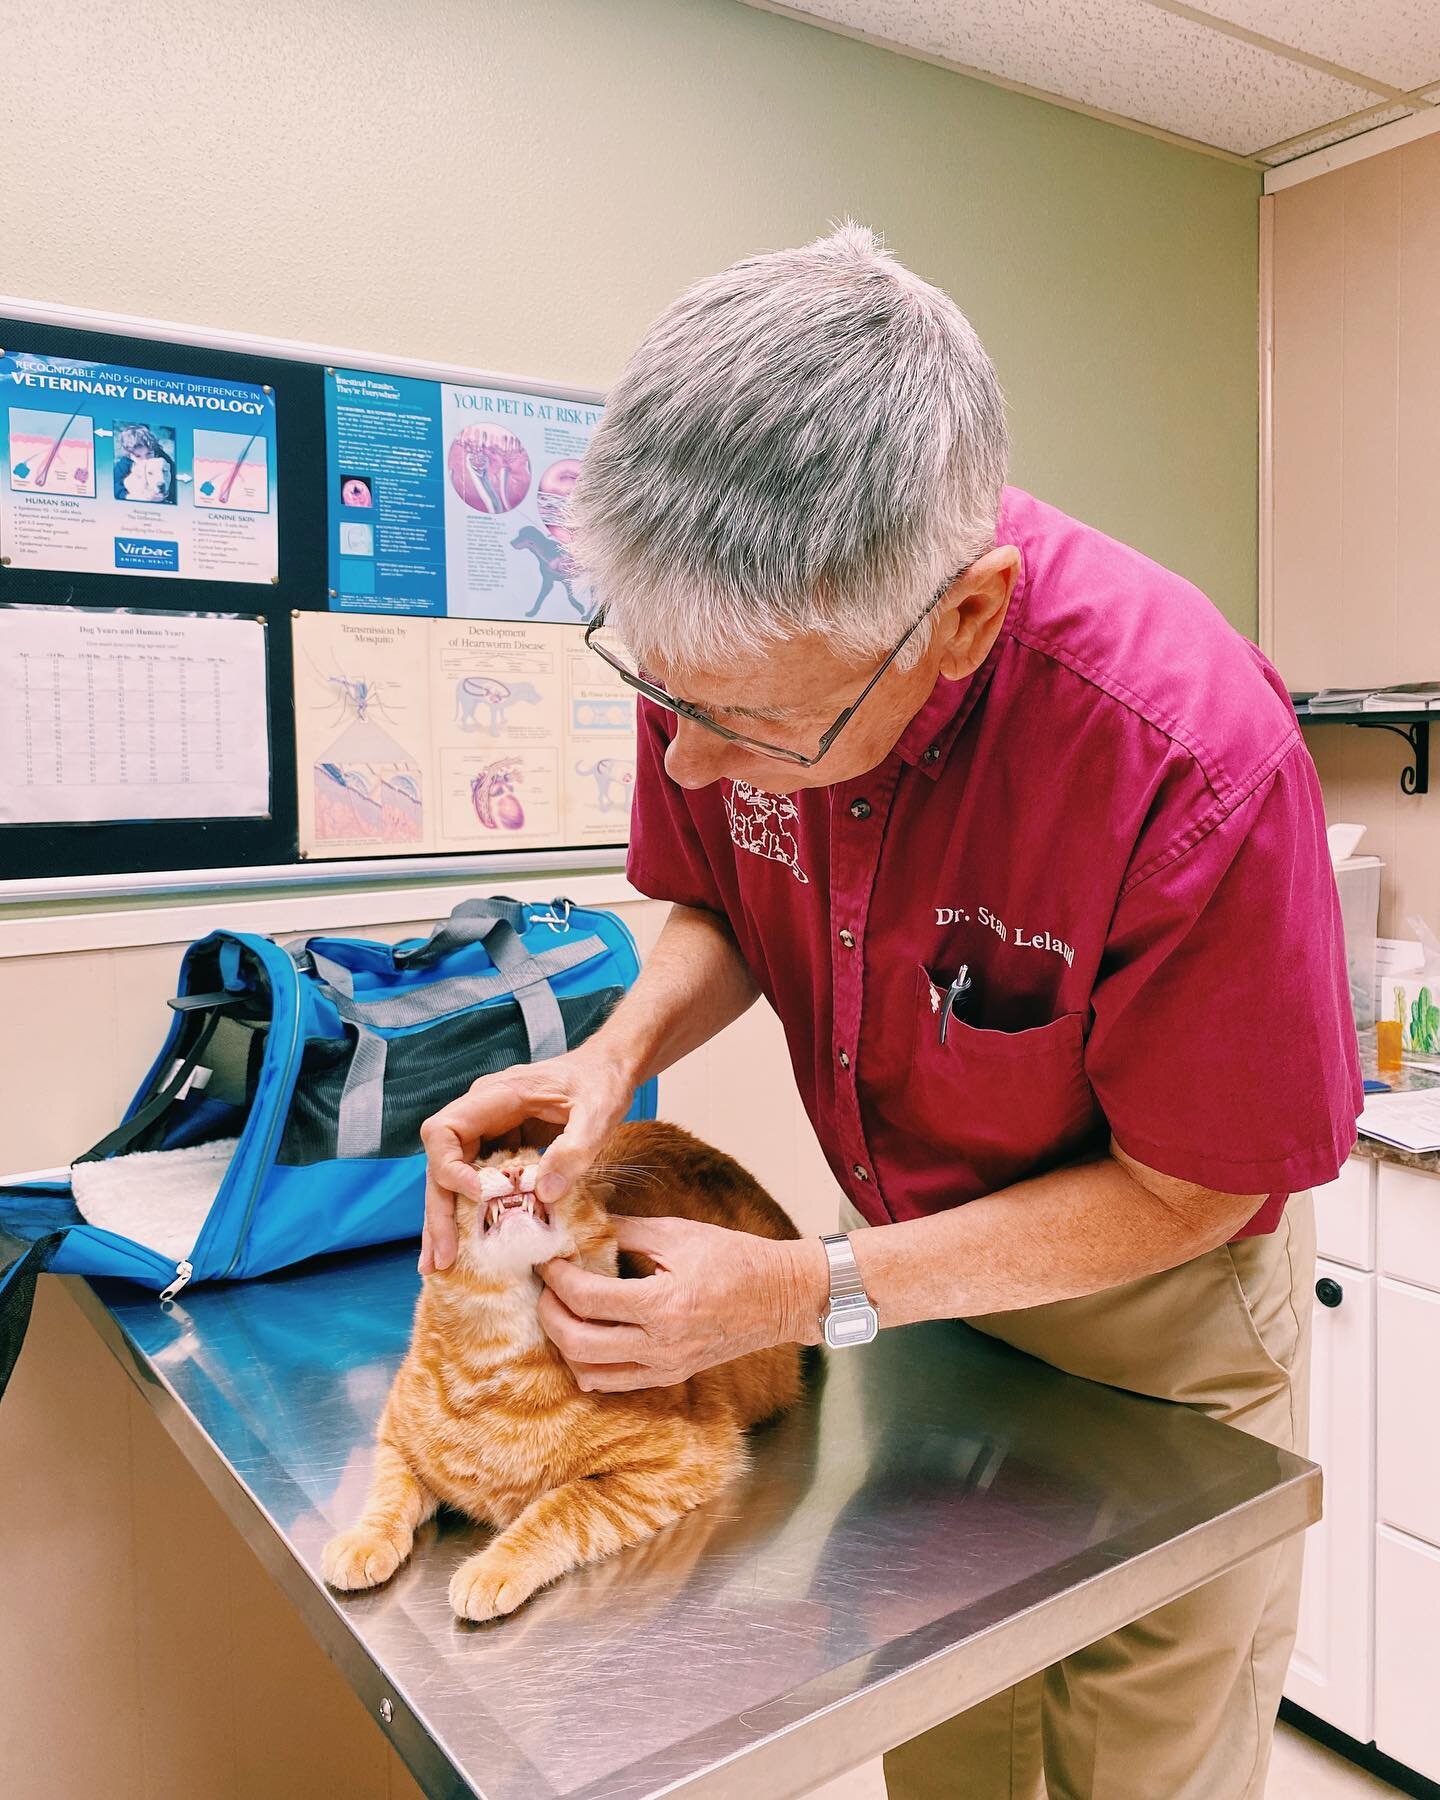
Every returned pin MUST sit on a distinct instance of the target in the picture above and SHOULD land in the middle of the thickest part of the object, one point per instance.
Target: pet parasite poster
(453, 500)
(418, 735)
(118, 471)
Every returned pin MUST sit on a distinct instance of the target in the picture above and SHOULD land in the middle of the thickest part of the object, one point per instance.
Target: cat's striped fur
(485, 1416)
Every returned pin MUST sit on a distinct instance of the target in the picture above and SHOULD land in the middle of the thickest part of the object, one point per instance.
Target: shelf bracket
(1415, 777)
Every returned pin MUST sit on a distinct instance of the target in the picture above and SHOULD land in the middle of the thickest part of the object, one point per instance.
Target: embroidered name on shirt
(763, 823)
(1022, 939)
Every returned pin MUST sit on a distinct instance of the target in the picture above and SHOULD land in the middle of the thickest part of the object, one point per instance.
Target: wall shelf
(1414, 727)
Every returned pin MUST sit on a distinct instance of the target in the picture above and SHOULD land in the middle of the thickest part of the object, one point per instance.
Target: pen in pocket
(956, 997)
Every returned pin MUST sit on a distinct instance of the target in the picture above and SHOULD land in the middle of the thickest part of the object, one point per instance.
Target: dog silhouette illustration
(474, 691)
(614, 777)
(555, 564)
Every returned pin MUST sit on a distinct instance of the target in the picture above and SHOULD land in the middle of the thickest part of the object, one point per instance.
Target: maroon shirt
(1115, 824)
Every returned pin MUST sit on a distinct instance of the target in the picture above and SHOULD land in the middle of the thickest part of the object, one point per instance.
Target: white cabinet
(1408, 1493)
(1407, 1686)
(1410, 1226)
(1330, 1671)
(1345, 1215)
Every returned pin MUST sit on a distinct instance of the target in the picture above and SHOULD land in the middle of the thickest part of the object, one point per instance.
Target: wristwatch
(849, 1318)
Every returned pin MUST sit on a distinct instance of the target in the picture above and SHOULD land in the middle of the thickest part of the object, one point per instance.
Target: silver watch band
(849, 1318)
(845, 1282)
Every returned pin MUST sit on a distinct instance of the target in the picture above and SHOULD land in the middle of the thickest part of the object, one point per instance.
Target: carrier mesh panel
(424, 1070)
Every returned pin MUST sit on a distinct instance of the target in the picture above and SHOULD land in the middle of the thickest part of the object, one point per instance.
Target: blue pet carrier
(320, 1062)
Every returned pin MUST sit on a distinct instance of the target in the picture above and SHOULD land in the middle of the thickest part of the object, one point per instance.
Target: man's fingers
(438, 1240)
(620, 1378)
(604, 1298)
(450, 1154)
(569, 1156)
(583, 1341)
(652, 1236)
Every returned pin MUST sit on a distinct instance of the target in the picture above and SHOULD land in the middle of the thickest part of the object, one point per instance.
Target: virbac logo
(147, 553)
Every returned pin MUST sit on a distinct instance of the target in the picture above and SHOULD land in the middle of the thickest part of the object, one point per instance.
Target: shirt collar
(926, 741)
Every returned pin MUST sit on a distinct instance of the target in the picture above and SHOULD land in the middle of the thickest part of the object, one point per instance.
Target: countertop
(940, 1517)
(1404, 1080)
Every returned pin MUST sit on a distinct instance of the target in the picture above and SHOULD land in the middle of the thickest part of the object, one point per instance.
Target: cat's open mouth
(514, 1206)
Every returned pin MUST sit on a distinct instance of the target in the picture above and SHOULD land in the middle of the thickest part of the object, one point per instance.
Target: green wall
(523, 186)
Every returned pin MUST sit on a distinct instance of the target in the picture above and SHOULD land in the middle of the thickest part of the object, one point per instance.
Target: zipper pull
(183, 1272)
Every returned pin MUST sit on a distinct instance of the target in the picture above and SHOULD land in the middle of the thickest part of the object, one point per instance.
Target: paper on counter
(1409, 1121)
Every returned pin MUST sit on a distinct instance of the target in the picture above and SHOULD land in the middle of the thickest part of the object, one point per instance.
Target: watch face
(851, 1325)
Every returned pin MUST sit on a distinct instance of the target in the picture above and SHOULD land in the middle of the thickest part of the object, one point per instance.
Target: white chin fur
(515, 1247)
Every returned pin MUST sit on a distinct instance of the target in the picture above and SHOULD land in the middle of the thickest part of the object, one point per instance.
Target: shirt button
(931, 755)
(860, 1172)
(844, 1059)
(860, 809)
(847, 938)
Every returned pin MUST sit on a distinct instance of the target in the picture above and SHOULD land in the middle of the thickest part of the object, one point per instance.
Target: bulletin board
(251, 493)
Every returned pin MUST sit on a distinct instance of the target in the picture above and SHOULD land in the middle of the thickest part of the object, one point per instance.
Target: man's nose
(696, 757)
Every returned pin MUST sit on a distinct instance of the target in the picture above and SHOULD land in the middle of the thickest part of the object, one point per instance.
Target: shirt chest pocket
(1006, 1103)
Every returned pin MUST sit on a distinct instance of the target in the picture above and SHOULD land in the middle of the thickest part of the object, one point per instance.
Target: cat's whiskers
(625, 1172)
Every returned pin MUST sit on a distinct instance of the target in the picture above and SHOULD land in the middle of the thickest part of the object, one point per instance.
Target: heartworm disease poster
(420, 735)
(111, 470)
(452, 500)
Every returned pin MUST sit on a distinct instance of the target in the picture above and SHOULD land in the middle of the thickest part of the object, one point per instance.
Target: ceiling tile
(1337, 134)
(1396, 41)
(1123, 56)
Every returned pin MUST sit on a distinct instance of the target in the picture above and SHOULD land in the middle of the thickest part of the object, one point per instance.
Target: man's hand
(571, 1102)
(715, 1295)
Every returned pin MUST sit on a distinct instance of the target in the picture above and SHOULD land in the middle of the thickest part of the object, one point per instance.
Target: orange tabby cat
(485, 1416)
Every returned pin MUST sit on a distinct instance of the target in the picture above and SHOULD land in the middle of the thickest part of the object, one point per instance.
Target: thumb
(569, 1156)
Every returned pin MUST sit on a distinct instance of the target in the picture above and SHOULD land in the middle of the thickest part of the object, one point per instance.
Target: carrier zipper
(183, 1272)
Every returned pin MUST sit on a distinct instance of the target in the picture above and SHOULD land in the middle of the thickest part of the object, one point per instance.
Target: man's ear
(974, 609)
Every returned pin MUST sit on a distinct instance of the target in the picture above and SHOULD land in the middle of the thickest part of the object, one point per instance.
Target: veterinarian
(1019, 839)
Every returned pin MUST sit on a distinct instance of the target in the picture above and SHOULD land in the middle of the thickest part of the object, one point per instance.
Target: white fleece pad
(159, 1198)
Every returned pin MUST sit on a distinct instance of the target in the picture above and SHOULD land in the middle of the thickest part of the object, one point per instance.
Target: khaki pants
(1180, 1705)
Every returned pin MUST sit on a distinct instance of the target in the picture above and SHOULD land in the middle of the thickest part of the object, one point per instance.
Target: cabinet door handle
(1328, 1292)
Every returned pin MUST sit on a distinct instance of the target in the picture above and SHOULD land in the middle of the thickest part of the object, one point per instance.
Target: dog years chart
(131, 715)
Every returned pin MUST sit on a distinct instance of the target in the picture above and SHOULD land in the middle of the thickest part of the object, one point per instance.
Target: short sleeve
(1223, 1046)
(667, 857)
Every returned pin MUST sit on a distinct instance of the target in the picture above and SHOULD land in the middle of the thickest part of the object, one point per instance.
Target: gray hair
(811, 441)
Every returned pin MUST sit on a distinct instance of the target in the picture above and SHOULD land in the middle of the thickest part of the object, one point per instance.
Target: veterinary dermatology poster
(418, 735)
(452, 500)
(131, 715)
(118, 471)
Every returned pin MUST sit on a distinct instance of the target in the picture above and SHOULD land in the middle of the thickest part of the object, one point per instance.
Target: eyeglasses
(608, 646)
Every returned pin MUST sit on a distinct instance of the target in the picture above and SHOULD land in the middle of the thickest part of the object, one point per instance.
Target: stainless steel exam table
(942, 1517)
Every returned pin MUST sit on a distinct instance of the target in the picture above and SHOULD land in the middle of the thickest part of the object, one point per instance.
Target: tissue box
(1358, 880)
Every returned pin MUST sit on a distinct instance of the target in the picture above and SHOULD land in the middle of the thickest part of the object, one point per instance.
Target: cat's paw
(359, 1559)
(489, 1586)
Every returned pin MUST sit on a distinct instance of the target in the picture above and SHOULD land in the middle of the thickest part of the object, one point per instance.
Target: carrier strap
(469, 923)
(140, 1122)
(520, 975)
(515, 974)
(358, 1127)
(17, 1294)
